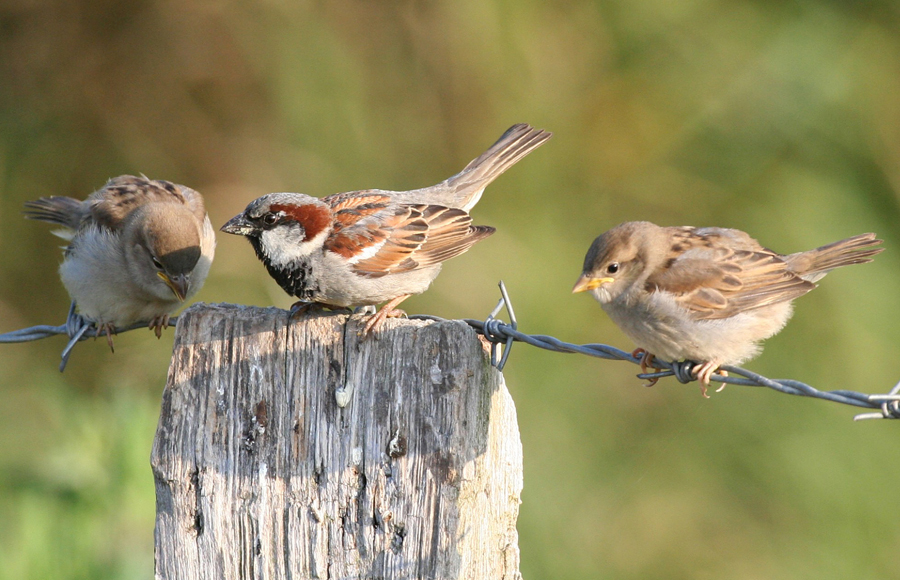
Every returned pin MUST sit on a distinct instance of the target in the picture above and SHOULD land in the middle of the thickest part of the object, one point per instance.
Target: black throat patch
(294, 278)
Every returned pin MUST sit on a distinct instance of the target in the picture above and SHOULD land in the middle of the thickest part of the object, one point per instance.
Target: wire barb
(76, 327)
(502, 336)
(499, 333)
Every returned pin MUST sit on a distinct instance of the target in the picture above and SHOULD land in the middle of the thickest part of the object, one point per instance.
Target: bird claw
(158, 324)
(373, 323)
(389, 310)
(301, 308)
(647, 362)
(703, 372)
(109, 329)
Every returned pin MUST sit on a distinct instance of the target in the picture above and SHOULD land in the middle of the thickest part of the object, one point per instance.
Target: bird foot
(109, 329)
(158, 324)
(703, 372)
(301, 308)
(646, 362)
(389, 310)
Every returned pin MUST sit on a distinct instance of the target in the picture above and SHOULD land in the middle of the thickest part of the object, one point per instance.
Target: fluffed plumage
(709, 295)
(137, 249)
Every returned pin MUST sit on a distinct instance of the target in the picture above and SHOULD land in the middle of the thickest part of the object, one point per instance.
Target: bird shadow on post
(261, 474)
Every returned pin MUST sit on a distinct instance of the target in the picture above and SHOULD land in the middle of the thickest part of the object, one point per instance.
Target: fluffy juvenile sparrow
(373, 246)
(137, 249)
(709, 295)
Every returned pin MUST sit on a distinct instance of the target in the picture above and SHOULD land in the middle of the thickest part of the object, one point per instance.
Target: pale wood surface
(261, 474)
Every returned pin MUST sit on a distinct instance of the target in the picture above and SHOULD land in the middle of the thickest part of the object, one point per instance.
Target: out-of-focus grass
(76, 494)
(779, 118)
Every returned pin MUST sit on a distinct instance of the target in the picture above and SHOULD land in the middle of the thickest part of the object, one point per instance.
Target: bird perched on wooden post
(373, 246)
(137, 249)
(708, 295)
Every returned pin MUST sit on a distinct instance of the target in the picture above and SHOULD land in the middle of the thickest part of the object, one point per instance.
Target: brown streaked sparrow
(367, 247)
(708, 295)
(137, 249)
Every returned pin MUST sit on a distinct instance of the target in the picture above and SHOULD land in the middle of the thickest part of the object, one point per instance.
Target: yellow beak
(178, 284)
(588, 283)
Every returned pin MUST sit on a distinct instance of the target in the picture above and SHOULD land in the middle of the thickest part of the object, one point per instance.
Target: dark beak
(239, 226)
(179, 284)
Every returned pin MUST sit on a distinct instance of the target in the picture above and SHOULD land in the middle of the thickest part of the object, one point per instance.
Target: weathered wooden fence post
(261, 474)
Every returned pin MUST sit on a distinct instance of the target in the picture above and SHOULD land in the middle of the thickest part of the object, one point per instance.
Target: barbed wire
(503, 335)
(77, 328)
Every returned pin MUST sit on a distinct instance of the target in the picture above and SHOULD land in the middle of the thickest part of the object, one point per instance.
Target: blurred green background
(779, 118)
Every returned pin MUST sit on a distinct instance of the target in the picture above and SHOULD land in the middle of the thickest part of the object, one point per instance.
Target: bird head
(283, 227)
(616, 260)
(163, 249)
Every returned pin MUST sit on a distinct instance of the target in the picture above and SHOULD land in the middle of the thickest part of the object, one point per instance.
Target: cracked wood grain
(261, 474)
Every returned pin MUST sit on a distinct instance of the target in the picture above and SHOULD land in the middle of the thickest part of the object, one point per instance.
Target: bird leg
(703, 372)
(647, 362)
(109, 329)
(158, 324)
(301, 307)
(389, 310)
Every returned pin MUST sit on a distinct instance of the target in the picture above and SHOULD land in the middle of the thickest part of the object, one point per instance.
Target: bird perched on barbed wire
(137, 249)
(368, 247)
(708, 295)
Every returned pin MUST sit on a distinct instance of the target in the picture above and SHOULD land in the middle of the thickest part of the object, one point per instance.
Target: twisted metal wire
(502, 336)
(77, 328)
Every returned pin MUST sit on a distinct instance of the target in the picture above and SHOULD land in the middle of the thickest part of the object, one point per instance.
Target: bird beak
(586, 282)
(178, 284)
(238, 225)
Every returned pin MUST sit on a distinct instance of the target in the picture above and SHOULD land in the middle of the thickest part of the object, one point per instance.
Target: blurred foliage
(779, 118)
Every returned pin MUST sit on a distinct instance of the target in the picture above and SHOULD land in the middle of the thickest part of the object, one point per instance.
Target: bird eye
(156, 263)
(612, 268)
(270, 219)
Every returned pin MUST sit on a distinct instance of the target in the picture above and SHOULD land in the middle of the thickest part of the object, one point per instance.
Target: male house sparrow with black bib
(709, 295)
(373, 246)
(137, 249)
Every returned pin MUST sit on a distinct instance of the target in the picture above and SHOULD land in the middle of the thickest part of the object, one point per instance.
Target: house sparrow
(137, 249)
(708, 295)
(372, 246)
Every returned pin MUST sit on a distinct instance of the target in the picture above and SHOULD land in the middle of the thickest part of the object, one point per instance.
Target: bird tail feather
(518, 141)
(64, 211)
(814, 264)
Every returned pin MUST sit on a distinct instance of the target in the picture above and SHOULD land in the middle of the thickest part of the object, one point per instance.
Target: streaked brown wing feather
(388, 239)
(401, 238)
(714, 281)
(450, 233)
(194, 201)
(121, 195)
(353, 206)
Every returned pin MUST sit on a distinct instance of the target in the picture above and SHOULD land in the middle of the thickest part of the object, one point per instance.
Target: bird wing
(192, 199)
(715, 275)
(111, 205)
(379, 237)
